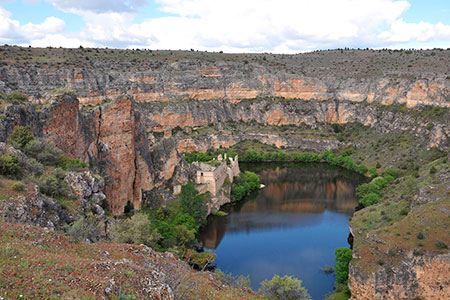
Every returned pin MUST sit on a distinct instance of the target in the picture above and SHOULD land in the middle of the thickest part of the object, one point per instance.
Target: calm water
(290, 227)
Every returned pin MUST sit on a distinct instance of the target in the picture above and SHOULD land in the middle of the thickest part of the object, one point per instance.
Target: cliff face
(233, 81)
(124, 141)
(359, 76)
(422, 277)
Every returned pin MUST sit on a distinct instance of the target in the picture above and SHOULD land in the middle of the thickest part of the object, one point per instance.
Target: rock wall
(309, 76)
(417, 277)
(122, 139)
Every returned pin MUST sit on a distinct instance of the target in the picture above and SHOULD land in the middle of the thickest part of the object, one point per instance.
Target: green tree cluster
(343, 258)
(198, 156)
(343, 160)
(243, 184)
(179, 222)
(369, 193)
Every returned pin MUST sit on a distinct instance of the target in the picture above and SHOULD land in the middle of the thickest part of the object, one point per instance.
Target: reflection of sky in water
(265, 221)
(300, 251)
(291, 227)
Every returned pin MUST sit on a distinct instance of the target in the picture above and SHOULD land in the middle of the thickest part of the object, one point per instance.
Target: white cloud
(8, 28)
(98, 6)
(50, 25)
(401, 31)
(12, 32)
(282, 26)
(59, 40)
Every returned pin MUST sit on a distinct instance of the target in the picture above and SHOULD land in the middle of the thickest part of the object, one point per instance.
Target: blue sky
(282, 26)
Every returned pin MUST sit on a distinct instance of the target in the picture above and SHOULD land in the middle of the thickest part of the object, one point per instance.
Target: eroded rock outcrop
(415, 277)
(361, 76)
(129, 145)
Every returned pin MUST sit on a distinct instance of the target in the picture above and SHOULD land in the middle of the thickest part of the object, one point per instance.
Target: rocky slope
(37, 263)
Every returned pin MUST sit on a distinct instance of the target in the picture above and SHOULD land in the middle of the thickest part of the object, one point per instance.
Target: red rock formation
(117, 132)
(64, 127)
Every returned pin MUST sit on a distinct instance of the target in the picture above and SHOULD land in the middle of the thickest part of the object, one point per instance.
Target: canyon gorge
(132, 114)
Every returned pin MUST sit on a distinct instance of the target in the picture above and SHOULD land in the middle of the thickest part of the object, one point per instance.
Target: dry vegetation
(36, 263)
(342, 63)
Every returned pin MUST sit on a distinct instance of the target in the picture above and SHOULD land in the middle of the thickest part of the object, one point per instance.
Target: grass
(401, 228)
(343, 64)
(39, 264)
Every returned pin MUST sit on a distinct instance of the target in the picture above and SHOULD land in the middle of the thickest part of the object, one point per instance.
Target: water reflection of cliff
(295, 195)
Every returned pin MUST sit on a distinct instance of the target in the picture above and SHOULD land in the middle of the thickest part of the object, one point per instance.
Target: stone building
(211, 179)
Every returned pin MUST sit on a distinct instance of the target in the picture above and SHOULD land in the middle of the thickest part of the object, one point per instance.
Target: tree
(10, 166)
(193, 203)
(20, 136)
(135, 230)
(343, 258)
(284, 288)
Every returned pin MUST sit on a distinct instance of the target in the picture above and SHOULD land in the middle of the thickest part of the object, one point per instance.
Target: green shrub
(49, 156)
(199, 259)
(18, 186)
(253, 156)
(243, 184)
(433, 170)
(420, 236)
(343, 258)
(369, 193)
(388, 179)
(197, 156)
(366, 188)
(20, 136)
(284, 288)
(240, 282)
(89, 227)
(135, 230)
(328, 269)
(372, 172)
(17, 98)
(53, 185)
(193, 203)
(441, 245)
(219, 213)
(71, 164)
(369, 199)
(34, 148)
(35, 167)
(10, 166)
(394, 173)
(178, 223)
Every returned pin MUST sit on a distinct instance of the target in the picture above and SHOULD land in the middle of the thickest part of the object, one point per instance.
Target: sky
(276, 26)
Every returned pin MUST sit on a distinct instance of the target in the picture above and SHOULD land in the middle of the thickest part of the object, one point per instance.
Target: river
(289, 227)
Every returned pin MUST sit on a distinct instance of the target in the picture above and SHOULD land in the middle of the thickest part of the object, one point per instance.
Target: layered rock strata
(127, 142)
(312, 76)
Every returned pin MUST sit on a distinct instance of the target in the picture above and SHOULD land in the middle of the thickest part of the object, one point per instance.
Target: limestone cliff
(357, 76)
(122, 139)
